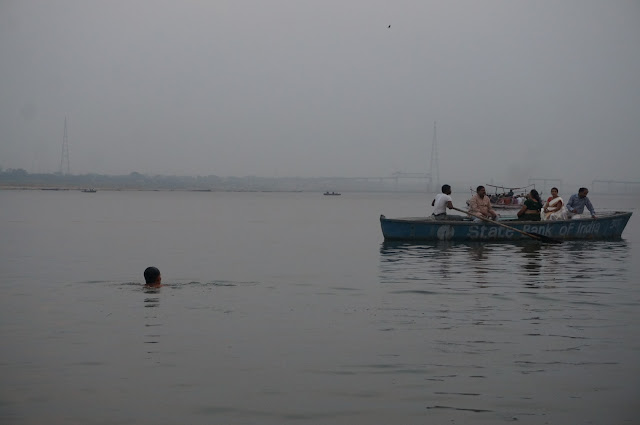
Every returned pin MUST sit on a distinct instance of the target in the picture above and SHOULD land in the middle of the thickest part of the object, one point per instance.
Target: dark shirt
(532, 213)
(532, 205)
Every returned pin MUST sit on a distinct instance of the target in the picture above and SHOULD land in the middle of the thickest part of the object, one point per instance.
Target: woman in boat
(530, 211)
(554, 207)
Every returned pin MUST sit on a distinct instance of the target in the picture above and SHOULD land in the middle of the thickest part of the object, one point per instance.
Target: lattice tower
(434, 167)
(65, 168)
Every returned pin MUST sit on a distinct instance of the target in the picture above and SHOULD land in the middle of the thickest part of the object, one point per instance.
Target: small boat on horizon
(89, 190)
(331, 194)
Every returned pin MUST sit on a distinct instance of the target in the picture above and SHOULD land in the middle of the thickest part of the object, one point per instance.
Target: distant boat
(332, 194)
(89, 190)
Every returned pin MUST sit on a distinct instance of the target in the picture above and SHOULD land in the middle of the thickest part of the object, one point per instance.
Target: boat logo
(445, 232)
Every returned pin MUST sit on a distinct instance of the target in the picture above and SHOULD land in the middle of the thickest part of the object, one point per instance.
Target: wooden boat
(605, 226)
(331, 194)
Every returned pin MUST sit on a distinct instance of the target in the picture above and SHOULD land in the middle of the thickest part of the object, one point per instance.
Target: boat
(605, 226)
(332, 194)
(506, 198)
(89, 190)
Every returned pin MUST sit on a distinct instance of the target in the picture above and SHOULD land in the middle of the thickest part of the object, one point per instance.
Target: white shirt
(440, 206)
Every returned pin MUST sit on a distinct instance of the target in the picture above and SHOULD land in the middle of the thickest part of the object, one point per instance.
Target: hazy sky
(307, 88)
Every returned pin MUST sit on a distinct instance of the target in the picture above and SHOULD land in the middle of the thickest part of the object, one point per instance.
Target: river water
(289, 308)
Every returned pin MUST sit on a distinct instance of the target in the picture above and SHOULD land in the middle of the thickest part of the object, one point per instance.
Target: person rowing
(441, 202)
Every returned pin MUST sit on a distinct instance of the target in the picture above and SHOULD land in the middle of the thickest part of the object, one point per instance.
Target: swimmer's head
(152, 276)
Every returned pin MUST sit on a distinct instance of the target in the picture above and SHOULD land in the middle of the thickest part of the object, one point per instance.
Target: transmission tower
(65, 168)
(434, 168)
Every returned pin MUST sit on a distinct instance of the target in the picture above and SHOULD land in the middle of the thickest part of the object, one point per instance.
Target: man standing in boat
(577, 202)
(480, 205)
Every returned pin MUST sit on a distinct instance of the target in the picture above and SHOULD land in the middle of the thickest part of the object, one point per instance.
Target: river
(290, 308)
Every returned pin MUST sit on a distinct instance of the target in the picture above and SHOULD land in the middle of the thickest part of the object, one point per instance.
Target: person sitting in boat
(522, 198)
(480, 205)
(530, 211)
(441, 202)
(152, 277)
(577, 202)
(554, 207)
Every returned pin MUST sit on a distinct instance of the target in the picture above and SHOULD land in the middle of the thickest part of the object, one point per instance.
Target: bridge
(616, 186)
(431, 178)
(394, 178)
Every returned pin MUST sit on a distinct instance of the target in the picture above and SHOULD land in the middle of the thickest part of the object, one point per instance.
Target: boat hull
(426, 229)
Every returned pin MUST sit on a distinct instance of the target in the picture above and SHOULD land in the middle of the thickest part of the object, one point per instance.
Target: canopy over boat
(606, 226)
(504, 197)
(505, 189)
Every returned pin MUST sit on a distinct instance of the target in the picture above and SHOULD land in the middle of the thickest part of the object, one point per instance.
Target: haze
(518, 89)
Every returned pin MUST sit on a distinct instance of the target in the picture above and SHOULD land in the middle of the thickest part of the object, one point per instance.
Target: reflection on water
(503, 317)
(153, 326)
(532, 263)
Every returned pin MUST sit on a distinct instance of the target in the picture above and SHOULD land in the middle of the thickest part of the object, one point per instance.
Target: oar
(536, 236)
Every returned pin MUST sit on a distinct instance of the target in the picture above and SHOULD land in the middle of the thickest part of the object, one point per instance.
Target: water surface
(290, 308)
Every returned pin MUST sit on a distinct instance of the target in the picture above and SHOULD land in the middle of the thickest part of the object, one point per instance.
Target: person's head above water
(152, 276)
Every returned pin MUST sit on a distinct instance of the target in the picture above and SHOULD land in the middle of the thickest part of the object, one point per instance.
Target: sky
(350, 88)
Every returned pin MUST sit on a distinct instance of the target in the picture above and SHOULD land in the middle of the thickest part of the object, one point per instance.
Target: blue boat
(605, 226)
